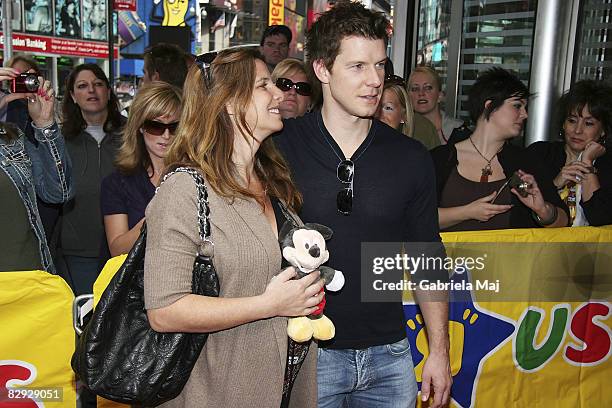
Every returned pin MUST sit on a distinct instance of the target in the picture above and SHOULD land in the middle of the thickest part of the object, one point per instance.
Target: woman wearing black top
(581, 166)
(472, 174)
(147, 136)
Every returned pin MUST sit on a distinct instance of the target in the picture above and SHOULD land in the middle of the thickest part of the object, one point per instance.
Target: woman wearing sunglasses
(242, 363)
(290, 77)
(92, 125)
(580, 162)
(147, 137)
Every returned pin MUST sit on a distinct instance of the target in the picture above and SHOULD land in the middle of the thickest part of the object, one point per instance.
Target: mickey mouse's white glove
(337, 282)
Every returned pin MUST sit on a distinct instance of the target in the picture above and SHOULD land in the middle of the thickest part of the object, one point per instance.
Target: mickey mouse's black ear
(324, 230)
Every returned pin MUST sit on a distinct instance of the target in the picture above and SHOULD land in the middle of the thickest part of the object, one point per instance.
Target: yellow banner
(37, 341)
(524, 353)
(276, 12)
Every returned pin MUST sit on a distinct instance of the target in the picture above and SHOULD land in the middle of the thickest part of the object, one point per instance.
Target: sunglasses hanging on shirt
(344, 199)
(302, 88)
(158, 128)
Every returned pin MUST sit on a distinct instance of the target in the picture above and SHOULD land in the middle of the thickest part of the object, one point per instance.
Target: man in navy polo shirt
(368, 183)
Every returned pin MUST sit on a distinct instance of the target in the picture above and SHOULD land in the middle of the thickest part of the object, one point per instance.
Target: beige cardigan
(239, 367)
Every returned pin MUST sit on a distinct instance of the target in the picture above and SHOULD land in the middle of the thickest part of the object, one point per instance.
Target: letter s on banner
(15, 373)
(595, 335)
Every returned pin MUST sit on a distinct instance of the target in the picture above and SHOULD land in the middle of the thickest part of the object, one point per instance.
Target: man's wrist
(439, 345)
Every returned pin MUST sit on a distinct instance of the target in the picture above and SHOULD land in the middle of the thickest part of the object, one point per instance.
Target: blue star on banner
(475, 335)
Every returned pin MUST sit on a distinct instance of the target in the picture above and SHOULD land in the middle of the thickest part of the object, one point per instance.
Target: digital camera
(520, 185)
(25, 83)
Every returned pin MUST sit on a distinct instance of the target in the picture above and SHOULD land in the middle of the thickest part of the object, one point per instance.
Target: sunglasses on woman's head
(395, 79)
(158, 128)
(204, 61)
(285, 84)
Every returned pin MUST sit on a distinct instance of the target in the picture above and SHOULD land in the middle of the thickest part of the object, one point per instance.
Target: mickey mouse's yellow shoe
(323, 328)
(300, 329)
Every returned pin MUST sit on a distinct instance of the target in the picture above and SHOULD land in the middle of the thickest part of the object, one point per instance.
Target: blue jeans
(379, 376)
(81, 272)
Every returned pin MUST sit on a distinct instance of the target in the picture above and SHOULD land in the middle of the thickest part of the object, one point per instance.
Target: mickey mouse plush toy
(304, 248)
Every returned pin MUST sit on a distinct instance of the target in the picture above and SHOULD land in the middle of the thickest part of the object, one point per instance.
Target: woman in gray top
(91, 125)
(243, 361)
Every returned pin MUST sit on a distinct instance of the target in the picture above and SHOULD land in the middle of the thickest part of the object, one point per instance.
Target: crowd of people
(339, 140)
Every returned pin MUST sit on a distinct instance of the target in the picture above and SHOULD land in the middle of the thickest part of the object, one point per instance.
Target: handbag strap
(293, 219)
(203, 208)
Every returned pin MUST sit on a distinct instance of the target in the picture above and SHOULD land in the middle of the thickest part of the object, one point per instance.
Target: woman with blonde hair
(249, 190)
(395, 110)
(425, 90)
(147, 136)
(290, 76)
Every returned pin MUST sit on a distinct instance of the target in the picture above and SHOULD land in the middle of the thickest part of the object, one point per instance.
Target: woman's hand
(294, 297)
(592, 151)
(483, 210)
(41, 103)
(534, 198)
(573, 172)
(8, 74)
(548, 214)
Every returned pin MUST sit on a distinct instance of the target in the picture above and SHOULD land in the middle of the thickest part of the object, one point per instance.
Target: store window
(432, 37)
(38, 16)
(487, 33)
(593, 42)
(495, 34)
(15, 14)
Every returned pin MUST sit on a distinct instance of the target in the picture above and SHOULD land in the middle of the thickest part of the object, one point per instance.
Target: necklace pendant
(486, 172)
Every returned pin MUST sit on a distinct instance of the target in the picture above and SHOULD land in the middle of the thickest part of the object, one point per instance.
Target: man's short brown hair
(169, 61)
(345, 19)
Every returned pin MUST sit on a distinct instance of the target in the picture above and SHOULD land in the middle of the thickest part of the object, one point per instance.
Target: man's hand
(437, 374)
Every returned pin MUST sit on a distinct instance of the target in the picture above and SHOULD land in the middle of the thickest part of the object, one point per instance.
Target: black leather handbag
(119, 356)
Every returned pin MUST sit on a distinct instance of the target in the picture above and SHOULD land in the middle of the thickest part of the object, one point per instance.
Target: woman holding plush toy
(247, 181)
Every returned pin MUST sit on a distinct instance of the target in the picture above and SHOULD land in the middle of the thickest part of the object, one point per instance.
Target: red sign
(124, 5)
(59, 46)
